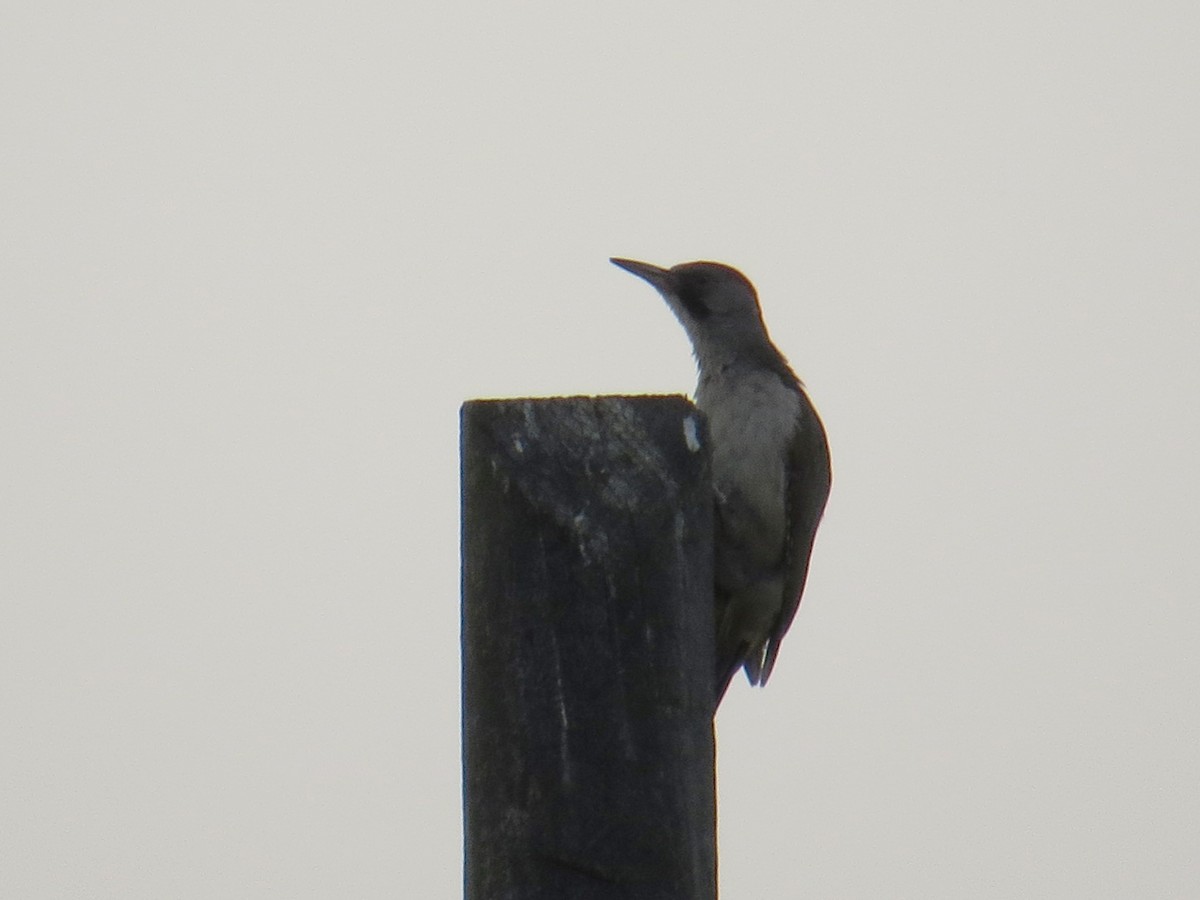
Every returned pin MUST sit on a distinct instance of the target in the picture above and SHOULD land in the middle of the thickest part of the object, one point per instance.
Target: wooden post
(588, 653)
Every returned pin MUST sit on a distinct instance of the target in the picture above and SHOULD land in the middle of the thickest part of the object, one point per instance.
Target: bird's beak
(660, 278)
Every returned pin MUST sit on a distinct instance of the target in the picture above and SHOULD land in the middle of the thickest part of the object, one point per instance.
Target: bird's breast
(752, 421)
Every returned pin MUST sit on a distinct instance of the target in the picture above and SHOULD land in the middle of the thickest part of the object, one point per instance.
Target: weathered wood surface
(587, 650)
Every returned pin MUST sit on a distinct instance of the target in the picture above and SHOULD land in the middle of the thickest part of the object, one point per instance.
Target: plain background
(254, 255)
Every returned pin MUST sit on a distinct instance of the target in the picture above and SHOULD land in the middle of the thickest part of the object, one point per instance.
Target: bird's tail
(743, 656)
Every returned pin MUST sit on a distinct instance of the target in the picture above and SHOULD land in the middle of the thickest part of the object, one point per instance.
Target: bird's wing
(809, 477)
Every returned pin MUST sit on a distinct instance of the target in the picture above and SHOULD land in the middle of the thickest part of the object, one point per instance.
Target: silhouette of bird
(770, 461)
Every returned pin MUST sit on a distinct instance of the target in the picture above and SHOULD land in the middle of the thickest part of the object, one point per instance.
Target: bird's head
(716, 304)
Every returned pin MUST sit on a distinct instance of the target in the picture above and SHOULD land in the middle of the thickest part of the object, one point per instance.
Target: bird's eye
(691, 296)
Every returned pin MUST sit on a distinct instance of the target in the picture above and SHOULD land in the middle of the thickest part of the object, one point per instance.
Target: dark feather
(809, 479)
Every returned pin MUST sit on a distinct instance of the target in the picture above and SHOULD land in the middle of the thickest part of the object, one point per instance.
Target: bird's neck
(732, 361)
(748, 351)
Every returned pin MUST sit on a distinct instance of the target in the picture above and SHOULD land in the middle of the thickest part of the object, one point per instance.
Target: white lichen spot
(691, 433)
(582, 538)
(518, 444)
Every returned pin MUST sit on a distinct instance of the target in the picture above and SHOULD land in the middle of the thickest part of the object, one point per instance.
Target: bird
(770, 462)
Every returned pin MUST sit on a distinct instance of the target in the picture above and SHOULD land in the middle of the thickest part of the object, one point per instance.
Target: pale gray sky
(255, 255)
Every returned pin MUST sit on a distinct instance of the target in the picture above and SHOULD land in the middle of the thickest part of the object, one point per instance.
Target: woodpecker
(770, 459)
